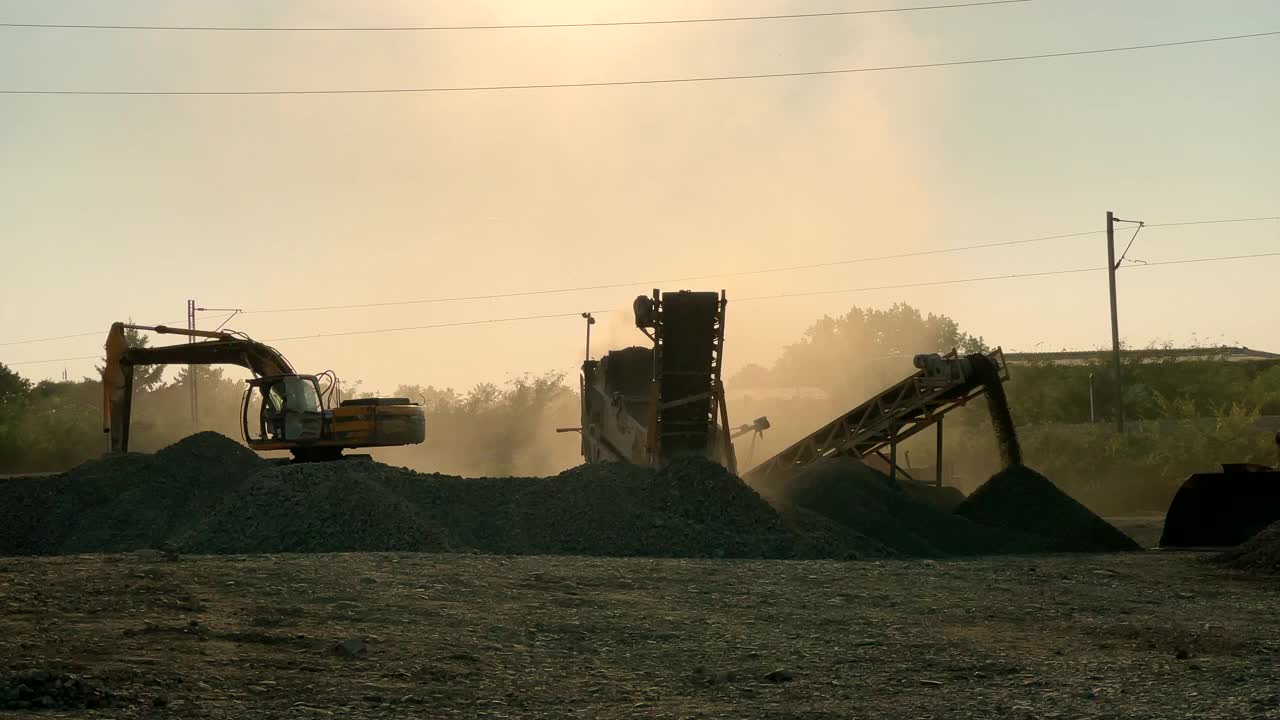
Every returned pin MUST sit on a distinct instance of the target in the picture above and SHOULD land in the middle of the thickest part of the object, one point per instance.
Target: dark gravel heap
(325, 507)
(857, 496)
(945, 498)
(123, 502)
(208, 494)
(47, 690)
(693, 508)
(1022, 500)
(1260, 554)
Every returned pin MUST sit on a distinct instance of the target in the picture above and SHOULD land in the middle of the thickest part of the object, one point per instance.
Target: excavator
(293, 412)
(649, 405)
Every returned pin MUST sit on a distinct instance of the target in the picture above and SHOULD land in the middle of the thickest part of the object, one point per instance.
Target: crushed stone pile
(123, 502)
(1260, 554)
(693, 508)
(209, 494)
(328, 507)
(857, 496)
(944, 497)
(1022, 500)
(48, 690)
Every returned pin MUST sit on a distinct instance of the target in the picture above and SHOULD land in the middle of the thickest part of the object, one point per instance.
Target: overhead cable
(526, 26)
(650, 81)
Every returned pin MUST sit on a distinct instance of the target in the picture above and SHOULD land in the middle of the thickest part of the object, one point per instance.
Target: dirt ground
(1144, 529)
(1138, 635)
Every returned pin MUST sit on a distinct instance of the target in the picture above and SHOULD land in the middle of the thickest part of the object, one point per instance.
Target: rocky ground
(1129, 635)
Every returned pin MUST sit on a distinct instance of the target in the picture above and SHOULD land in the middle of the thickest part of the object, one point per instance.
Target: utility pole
(1115, 321)
(191, 369)
(590, 321)
(1112, 266)
(1092, 415)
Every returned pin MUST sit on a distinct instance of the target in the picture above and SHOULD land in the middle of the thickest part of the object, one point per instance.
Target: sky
(116, 208)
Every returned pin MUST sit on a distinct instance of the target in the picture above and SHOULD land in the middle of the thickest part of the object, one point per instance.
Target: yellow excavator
(293, 411)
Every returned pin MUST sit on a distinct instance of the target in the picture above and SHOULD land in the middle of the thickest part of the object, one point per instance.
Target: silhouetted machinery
(1223, 508)
(647, 405)
(292, 413)
(876, 427)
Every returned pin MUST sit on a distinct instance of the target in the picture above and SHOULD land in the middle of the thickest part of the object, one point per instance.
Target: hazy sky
(125, 207)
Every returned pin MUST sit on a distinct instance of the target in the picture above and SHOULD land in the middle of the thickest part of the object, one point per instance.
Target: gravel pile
(324, 507)
(46, 690)
(693, 508)
(1260, 554)
(1022, 500)
(862, 498)
(208, 494)
(123, 502)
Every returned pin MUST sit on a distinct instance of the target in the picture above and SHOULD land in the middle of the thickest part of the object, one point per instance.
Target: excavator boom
(217, 348)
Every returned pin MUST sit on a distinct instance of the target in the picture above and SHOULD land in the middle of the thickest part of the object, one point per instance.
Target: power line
(654, 81)
(464, 323)
(928, 283)
(530, 26)
(743, 273)
(1213, 222)
(54, 360)
(1192, 261)
(96, 332)
(869, 288)
(839, 291)
(50, 339)
(615, 286)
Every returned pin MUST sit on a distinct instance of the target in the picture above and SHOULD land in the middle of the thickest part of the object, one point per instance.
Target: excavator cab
(288, 409)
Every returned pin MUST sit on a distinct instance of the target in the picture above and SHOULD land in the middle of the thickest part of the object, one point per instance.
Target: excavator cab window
(290, 410)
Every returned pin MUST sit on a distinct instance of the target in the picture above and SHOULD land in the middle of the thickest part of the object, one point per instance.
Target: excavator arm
(217, 348)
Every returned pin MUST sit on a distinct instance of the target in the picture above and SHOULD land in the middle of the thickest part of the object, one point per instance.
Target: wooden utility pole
(191, 370)
(1115, 322)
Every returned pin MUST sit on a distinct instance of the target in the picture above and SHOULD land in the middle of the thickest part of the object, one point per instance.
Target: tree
(858, 353)
(14, 391)
(13, 388)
